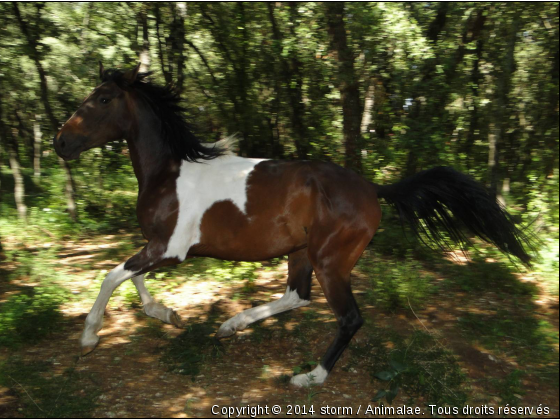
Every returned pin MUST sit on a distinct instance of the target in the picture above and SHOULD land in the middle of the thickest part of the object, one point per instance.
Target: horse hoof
(87, 350)
(301, 381)
(175, 319)
(316, 377)
(225, 331)
(88, 345)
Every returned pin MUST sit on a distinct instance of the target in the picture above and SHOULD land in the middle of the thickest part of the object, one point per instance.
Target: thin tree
(34, 55)
(347, 84)
(10, 144)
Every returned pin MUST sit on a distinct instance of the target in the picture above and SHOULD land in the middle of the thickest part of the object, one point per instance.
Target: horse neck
(151, 157)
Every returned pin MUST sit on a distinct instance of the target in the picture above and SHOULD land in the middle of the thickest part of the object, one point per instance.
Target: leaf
(385, 375)
(380, 394)
(390, 396)
(399, 367)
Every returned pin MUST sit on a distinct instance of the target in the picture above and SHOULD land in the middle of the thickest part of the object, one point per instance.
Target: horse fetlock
(163, 313)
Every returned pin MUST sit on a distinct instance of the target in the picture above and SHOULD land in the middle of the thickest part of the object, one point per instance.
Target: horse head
(104, 116)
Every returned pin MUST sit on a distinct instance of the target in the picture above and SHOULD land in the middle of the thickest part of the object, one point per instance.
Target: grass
(187, 353)
(521, 335)
(43, 394)
(29, 316)
(418, 364)
(396, 284)
(510, 389)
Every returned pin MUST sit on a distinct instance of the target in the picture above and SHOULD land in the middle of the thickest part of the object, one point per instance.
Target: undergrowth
(44, 394)
(186, 353)
(417, 364)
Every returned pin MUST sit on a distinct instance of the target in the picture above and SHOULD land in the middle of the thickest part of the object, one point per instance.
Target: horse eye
(105, 100)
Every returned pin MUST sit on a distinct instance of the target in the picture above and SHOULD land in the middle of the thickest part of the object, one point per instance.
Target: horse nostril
(62, 144)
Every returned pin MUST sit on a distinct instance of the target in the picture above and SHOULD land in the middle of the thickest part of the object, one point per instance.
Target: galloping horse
(195, 200)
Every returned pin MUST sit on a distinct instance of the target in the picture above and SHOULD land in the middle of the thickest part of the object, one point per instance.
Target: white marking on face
(199, 186)
(290, 300)
(317, 376)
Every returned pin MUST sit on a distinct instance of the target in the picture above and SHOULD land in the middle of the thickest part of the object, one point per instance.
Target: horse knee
(350, 324)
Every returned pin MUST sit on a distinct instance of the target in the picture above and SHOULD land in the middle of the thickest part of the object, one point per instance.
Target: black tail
(445, 199)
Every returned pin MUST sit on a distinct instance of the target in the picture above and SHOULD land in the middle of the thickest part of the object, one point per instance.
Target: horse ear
(130, 75)
(101, 70)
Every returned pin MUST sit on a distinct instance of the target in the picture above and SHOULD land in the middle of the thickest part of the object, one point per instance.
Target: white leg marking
(290, 300)
(153, 308)
(316, 377)
(94, 320)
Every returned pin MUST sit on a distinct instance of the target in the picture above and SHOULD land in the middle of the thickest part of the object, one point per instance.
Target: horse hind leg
(297, 294)
(155, 309)
(333, 264)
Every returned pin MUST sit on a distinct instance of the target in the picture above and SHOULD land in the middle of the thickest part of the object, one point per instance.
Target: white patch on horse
(290, 300)
(199, 186)
(316, 377)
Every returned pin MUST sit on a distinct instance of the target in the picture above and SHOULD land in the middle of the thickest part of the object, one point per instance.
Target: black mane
(166, 104)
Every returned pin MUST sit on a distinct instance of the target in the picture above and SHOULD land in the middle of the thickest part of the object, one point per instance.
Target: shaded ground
(484, 347)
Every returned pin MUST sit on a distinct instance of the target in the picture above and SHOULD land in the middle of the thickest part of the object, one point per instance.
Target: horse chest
(157, 210)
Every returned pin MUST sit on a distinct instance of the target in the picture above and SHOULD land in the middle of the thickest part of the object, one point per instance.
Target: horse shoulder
(199, 187)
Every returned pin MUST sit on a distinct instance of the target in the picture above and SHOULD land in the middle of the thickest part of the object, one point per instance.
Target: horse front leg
(94, 320)
(152, 255)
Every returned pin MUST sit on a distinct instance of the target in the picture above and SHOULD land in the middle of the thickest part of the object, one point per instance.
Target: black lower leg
(299, 273)
(348, 325)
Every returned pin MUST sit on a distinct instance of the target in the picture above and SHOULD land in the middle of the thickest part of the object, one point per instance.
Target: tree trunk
(474, 118)
(347, 84)
(290, 73)
(9, 140)
(34, 55)
(237, 94)
(498, 129)
(178, 41)
(368, 107)
(37, 137)
(162, 48)
(247, 147)
(144, 53)
(19, 186)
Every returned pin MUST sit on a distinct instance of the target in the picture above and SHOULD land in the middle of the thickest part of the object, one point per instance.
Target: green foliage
(187, 353)
(510, 389)
(43, 394)
(30, 316)
(522, 335)
(479, 275)
(417, 364)
(396, 283)
(547, 265)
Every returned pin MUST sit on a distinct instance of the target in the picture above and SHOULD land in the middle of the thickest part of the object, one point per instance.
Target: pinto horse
(196, 200)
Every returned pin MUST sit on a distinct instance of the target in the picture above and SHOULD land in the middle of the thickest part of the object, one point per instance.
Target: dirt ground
(130, 379)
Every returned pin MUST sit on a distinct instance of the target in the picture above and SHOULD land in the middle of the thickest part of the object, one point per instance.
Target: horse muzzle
(68, 150)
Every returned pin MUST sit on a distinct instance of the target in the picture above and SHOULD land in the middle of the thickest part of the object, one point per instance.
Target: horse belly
(228, 233)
